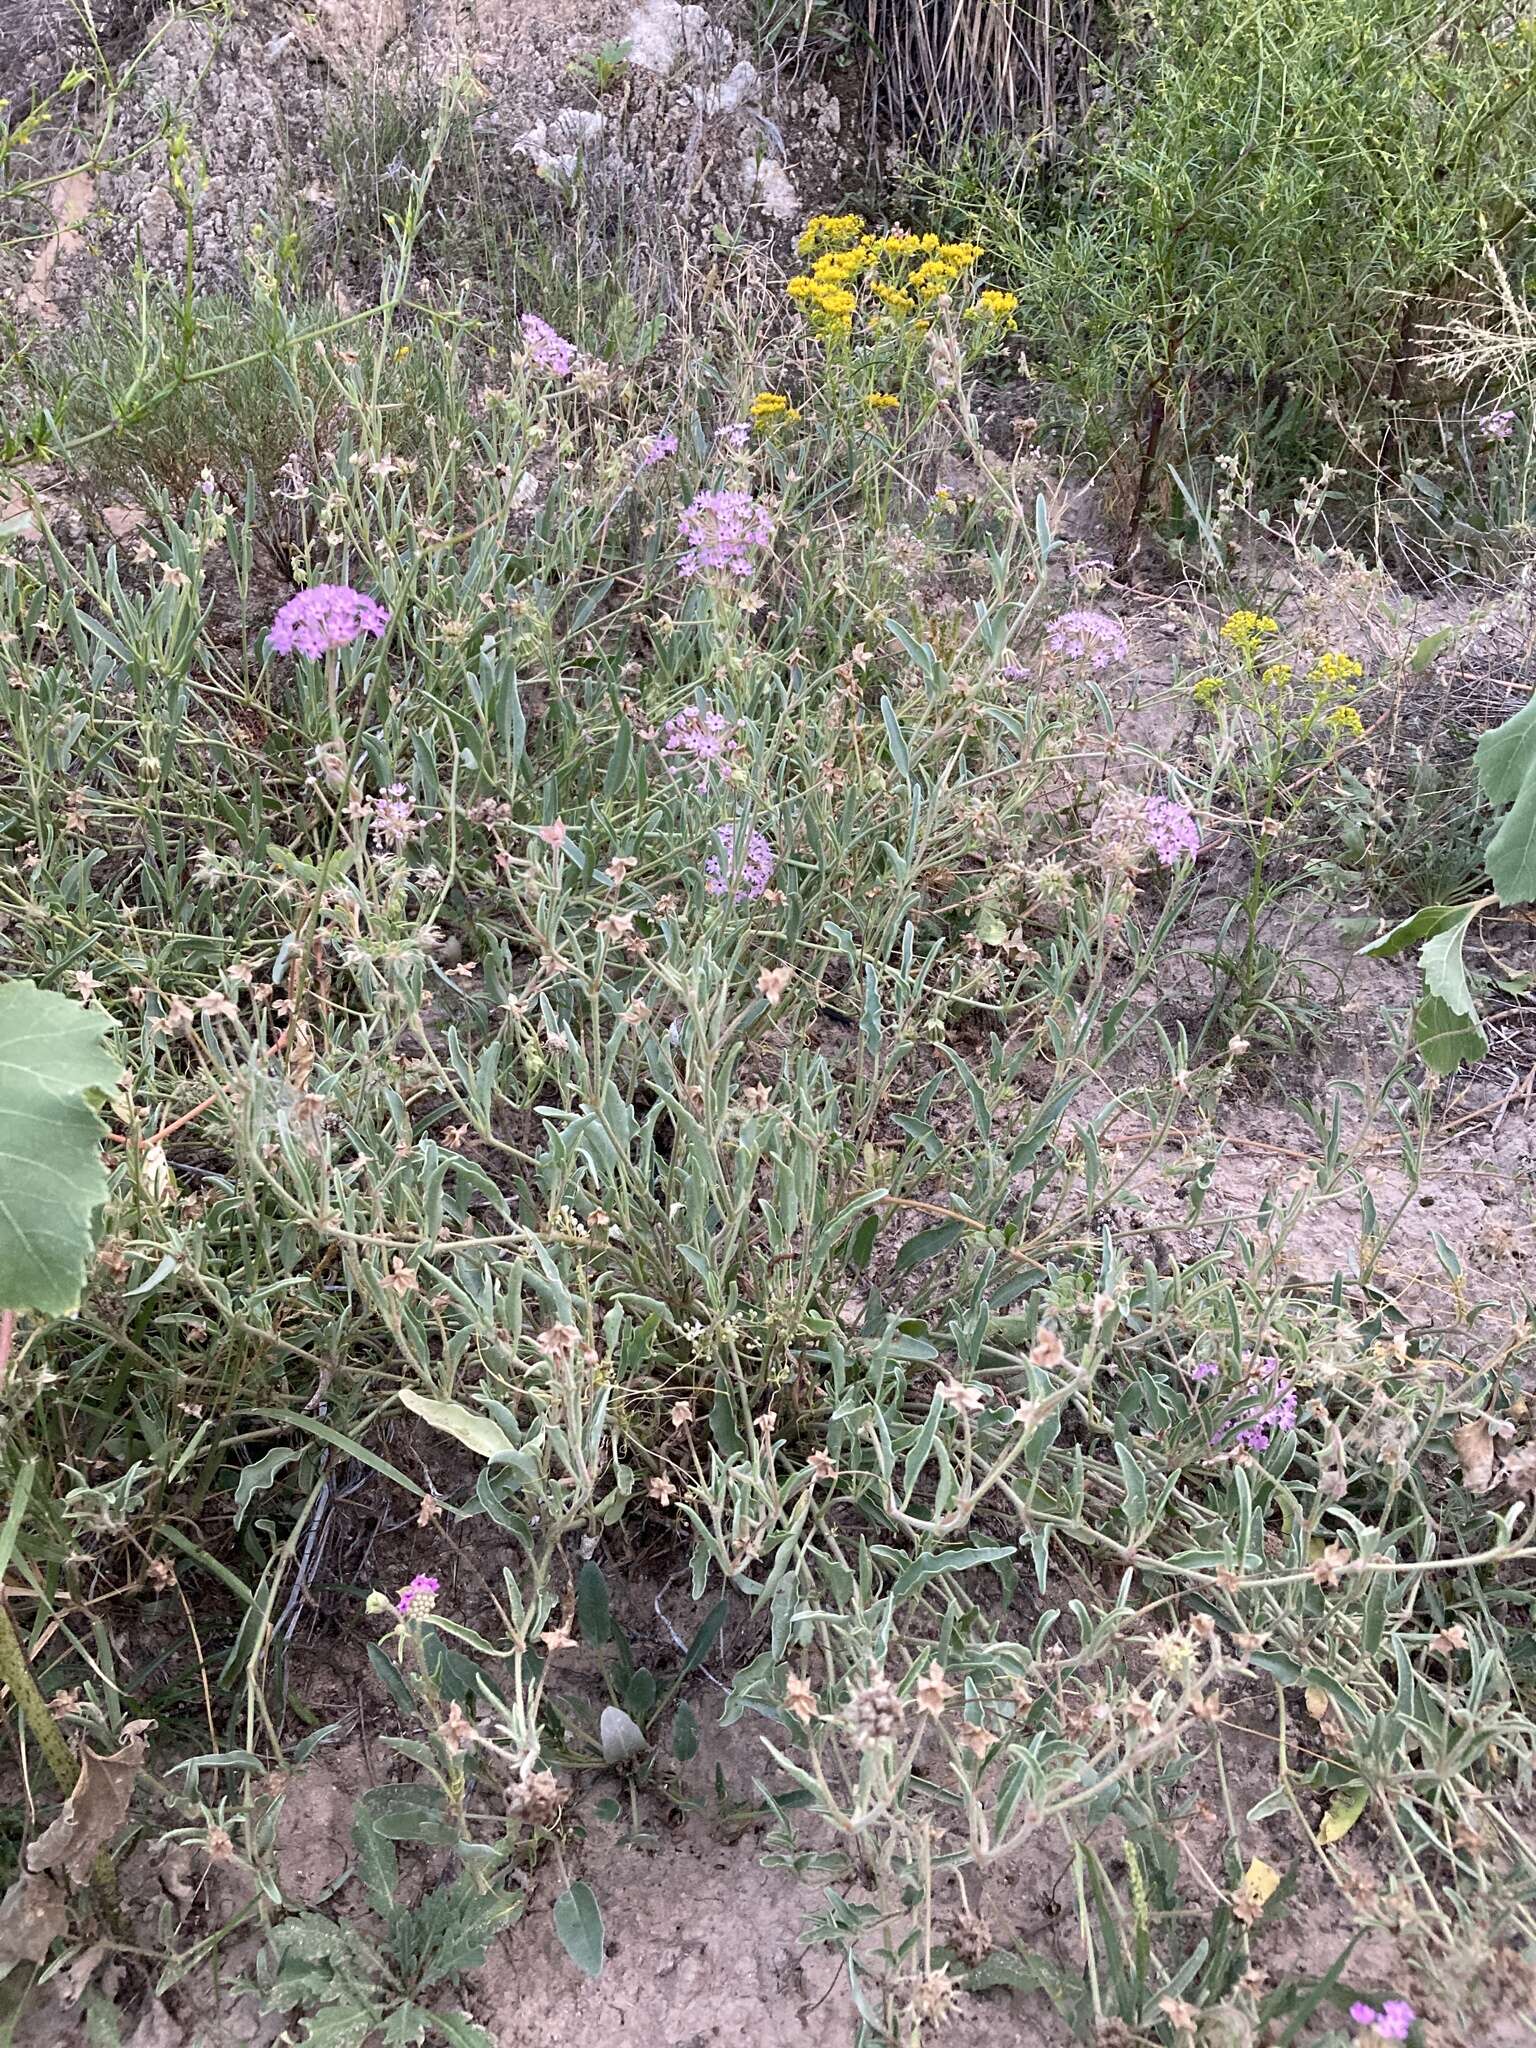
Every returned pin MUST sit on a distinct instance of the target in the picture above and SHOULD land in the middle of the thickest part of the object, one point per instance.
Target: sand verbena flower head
(723, 530)
(320, 620)
(742, 868)
(1172, 833)
(1089, 636)
(545, 349)
(703, 739)
(418, 1598)
(1393, 2022)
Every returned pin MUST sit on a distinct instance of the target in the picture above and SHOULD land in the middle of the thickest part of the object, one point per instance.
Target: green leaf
(1445, 1037)
(922, 1569)
(685, 1733)
(54, 1075)
(475, 1432)
(406, 1813)
(460, 2031)
(1505, 756)
(1511, 856)
(579, 1924)
(258, 1477)
(1413, 931)
(1445, 973)
(593, 1615)
(1430, 648)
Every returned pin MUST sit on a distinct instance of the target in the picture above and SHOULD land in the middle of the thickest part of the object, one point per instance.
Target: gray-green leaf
(54, 1074)
(579, 1924)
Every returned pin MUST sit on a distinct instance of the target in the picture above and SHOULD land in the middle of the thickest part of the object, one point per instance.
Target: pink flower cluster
(1172, 832)
(1394, 2022)
(1268, 1405)
(1090, 636)
(1497, 425)
(744, 876)
(393, 823)
(546, 349)
(657, 449)
(419, 1597)
(722, 529)
(329, 616)
(705, 737)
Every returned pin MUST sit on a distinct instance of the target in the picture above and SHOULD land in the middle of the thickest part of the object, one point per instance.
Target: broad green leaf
(1445, 973)
(459, 2031)
(54, 1075)
(474, 1431)
(1511, 856)
(1445, 1037)
(579, 1924)
(1505, 756)
(1413, 931)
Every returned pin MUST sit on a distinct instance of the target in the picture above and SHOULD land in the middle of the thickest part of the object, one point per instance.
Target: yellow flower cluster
(1283, 706)
(902, 273)
(882, 401)
(1346, 723)
(1335, 669)
(1246, 631)
(768, 408)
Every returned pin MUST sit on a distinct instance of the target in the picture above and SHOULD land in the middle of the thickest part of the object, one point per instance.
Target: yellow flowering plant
(878, 294)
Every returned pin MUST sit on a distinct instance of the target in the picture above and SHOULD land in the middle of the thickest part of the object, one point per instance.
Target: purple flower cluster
(1088, 636)
(705, 737)
(546, 349)
(1269, 1405)
(393, 822)
(1497, 425)
(735, 436)
(657, 449)
(1394, 2022)
(419, 1597)
(1172, 832)
(722, 529)
(756, 866)
(329, 616)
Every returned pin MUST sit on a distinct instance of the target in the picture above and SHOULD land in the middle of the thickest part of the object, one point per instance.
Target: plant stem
(49, 1737)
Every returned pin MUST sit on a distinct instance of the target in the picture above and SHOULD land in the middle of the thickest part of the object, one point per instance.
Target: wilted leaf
(1474, 1447)
(1344, 1809)
(93, 1812)
(579, 1924)
(1318, 1702)
(32, 1917)
(1260, 1882)
(54, 1074)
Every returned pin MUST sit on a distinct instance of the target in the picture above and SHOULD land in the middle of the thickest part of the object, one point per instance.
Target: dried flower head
(535, 1797)
(874, 1713)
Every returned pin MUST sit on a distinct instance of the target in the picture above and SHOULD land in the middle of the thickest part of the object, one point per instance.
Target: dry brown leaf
(1474, 1447)
(32, 1916)
(93, 1812)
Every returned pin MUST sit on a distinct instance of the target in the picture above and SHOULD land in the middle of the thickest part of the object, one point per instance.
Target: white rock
(556, 145)
(662, 31)
(767, 184)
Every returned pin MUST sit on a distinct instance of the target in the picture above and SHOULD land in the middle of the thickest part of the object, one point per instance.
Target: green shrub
(1249, 243)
